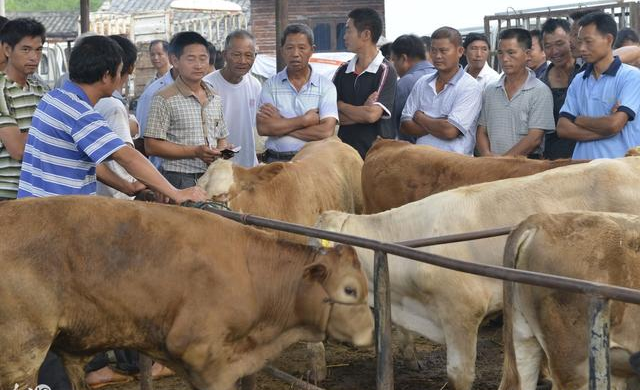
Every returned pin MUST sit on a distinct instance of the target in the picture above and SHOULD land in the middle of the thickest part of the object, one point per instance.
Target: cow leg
(24, 349)
(408, 349)
(461, 342)
(528, 351)
(318, 361)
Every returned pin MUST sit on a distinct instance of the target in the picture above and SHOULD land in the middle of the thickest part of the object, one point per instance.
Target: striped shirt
(67, 139)
(17, 104)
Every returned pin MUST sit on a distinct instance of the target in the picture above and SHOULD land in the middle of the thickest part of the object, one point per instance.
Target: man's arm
(350, 114)
(140, 168)
(108, 177)
(482, 142)
(14, 141)
(628, 55)
(605, 126)
(569, 130)
(527, 144)
(172, 151)
(270, 122)
(440, 128)
(322, 130)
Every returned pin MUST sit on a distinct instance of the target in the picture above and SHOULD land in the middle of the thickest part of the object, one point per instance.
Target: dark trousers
(181, 180)
(273, 156)
(52, 373)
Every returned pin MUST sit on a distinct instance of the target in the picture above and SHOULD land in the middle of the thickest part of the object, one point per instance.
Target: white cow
(447, 306)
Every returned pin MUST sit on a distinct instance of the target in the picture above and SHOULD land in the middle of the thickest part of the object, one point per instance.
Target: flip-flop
(118, 381)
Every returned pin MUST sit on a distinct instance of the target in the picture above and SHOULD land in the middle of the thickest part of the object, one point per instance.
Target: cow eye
(350, 291)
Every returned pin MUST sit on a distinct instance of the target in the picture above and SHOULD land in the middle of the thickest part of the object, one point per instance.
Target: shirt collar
(372, 68)
(70, 86)
(186, 91)
(422, 65)
(314, 77)
(529, 83)
(612, 70)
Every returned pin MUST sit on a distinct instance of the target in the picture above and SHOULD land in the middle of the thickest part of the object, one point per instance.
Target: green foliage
(47, 5)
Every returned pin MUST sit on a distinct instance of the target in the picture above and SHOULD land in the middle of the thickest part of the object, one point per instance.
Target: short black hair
(579, 14)
(165, 44)
(427, 42)
(472, 37)
(386, 50)
(605, 24)
(551, 25)
(3, 21)
(297, 28)
(213, 53)
(130, 53)
(15, 30)
(367, 19)
(92, 58)
(522, 36)
(183, 39)
(410, 45)
(625, 34)
(449, 33)
(537, 34)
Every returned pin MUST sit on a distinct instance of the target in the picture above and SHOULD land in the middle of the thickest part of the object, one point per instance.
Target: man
(239, 91)
(68, 138)
(626, 37)
(427, 46)
(476, 49)
(409, 60)
(537, 59)
(442, 108)
(3, 58)
(159, 55)
(186, 126)
(297, 105)
(517, 110)
(366, 84)
(603, 100)
(213, 53)
(20, 93)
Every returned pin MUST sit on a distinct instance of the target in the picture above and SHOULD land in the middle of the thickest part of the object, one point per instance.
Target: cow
(208, 297)
(554, 324)
(396, 172)
(324, 175)
(447, 306)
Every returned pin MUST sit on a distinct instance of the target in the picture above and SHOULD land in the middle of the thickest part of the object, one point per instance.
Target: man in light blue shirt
(443, 108)
(296, 105)
(603, 100)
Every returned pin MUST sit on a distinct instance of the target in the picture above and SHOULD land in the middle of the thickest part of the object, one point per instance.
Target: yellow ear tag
(325, 243)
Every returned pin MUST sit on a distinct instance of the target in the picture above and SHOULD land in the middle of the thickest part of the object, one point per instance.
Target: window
(322, 35)
(340, 27)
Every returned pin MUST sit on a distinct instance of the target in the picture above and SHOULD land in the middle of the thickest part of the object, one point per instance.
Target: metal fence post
(382, 306)
(599, 369)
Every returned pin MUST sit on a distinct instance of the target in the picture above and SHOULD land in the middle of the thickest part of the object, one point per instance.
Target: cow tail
(517, 239)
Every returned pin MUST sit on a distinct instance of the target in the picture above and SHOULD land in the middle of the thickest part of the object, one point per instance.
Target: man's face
(353, 40)
(296, 52)
(400, 63)
(536, 54)
(240, 55)
(477, 54)
(159, 57)
(193, 63)
(445, 54)
(593, 45)
(25, 56)
(512, 57)
(557, 47)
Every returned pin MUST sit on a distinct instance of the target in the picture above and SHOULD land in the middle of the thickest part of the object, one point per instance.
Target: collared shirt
(355, 89)
(459, 102)
(405, 85)
(588, 96)
(178, 116)
(509, 120)
(540, 70)
(144, 101)
(318, 93)
(17, 104)
(67, 139)
(486, 76)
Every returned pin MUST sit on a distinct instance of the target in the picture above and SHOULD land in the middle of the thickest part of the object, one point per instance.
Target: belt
(279, 155)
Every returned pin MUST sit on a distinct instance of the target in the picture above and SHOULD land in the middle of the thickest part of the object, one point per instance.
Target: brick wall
(263, 17)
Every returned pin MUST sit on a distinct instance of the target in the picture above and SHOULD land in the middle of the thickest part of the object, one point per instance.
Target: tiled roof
(60, 25)
(133, 6)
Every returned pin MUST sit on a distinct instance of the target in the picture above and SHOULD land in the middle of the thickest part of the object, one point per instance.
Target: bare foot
(160, 371)
(105, 376)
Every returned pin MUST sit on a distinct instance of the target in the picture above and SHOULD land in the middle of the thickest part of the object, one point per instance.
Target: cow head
(329, 220)
(344, 285)
(217, 180)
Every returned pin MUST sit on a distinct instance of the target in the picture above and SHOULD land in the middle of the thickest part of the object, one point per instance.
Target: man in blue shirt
(603, 100)
(409, 58)
(296, 105)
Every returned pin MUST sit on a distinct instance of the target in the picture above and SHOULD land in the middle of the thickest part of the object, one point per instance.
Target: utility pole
(282, 19)
(84, 15)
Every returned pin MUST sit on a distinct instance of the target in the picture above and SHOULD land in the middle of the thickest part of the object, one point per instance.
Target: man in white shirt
(239, 91)
(476, 49)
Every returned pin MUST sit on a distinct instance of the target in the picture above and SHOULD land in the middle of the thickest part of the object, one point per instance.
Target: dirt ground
(355, 369)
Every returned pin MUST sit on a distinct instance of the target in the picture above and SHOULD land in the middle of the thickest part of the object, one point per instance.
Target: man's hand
(135, 187)
(269, 111)
(195, 194)
(311, 117)
(373, 98)
(615, 107)
(207, 154)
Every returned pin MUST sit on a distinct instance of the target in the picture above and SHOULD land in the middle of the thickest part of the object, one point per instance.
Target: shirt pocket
(521, 123)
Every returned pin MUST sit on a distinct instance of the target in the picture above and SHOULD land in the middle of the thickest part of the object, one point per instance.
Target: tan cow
(447, 306)
(542, 322)
(396, 172)
(210, 298)
(324, 175)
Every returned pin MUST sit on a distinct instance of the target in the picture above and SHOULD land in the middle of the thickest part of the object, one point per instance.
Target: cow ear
(316, 272)
(271, 170)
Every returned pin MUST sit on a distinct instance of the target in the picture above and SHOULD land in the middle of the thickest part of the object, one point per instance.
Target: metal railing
(599, 370)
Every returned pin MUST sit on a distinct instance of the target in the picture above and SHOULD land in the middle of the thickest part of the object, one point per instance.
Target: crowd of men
(563, 92)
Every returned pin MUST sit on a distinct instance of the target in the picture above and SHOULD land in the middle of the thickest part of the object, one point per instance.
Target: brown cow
(542, 324)
(396, 172)
(210, 298)
(324, 175)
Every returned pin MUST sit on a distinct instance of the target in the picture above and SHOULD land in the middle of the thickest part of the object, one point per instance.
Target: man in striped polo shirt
(20, 93)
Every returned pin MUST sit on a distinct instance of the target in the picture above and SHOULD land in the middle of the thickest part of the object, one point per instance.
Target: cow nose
(364, 339)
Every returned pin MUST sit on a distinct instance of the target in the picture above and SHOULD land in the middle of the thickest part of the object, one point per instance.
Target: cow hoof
(544, 384)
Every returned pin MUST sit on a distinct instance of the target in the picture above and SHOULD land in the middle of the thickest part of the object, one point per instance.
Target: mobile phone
(229, 153)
